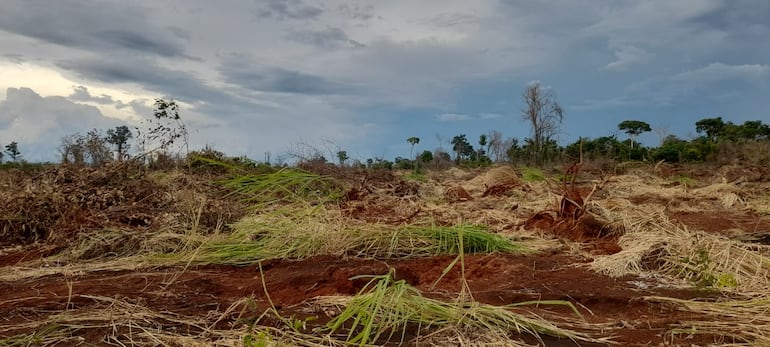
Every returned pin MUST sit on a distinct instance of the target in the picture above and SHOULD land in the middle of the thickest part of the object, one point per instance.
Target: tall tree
(342, 156)
(96, 148)
(544, 115)
(164, 128)
(119, 138)
(12, 149)
(633, 128)
(461, 147)
(412, 141)
(713, 127)
(495, 146)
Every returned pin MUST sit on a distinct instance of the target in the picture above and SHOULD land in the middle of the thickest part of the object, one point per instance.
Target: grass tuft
(287, 185)
(299, 233)
(386, 308)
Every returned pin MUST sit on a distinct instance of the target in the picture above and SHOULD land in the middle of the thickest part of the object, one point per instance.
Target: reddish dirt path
(494, 279)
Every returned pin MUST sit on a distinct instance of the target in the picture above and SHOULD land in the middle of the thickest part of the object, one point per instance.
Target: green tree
(426, 156)
(96, 148)
(461, 147)
(754, 130)
(482, 143)
(12, 149)
(342, 156)
(713, 127)
(119, 138)
(412, 141)
(544, 115)
(633, 128)
(164, 128)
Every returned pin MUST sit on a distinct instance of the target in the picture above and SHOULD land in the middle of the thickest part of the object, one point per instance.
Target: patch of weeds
(530, 174)
(47, 335)
(286, 185)
(699, 270)
(684, 180)
(415, 176)
(260, 339)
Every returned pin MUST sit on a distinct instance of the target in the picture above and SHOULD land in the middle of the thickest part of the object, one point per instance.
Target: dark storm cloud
(179, 84)
(167, 83)
(287, 9)
(81, 93)
(328, 38)
(278, 80)
(738, 17)
(357, 11)
(90, 25)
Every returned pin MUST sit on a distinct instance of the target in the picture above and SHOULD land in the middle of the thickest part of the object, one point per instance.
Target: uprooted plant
(572, 219)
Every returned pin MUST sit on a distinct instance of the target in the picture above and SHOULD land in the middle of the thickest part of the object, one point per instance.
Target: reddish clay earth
(206, 291)
(494, 279)
(726, 222)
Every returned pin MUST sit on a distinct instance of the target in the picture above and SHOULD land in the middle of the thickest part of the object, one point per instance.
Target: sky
(281, 76)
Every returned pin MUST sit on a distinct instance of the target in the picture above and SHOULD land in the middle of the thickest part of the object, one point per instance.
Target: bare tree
(544, 115)
(662, 131)
(496, 145)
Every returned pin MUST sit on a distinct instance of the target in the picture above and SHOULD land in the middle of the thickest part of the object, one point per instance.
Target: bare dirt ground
(555, 273)
(493, 279)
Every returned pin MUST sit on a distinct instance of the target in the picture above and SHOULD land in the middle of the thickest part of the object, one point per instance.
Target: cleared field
(504, 256)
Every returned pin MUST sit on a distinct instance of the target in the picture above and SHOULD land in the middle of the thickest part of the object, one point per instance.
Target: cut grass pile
(299, 233)
(653, 242)
(287, 185)
(386, 309)
(115, 321)
(743, 321)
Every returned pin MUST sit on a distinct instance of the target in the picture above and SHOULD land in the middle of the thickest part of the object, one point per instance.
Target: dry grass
(299, 233)
(743, 321)
(653, 242)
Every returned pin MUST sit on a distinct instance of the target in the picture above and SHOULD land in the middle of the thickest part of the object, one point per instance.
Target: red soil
(494, 279)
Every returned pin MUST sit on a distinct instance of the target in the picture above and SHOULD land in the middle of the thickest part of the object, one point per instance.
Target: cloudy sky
(265, 75)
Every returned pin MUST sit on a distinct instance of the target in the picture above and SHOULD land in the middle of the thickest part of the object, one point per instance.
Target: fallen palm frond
(386, 308)
(298, 233)
(286, 185)
(653, 242)
(745, 321)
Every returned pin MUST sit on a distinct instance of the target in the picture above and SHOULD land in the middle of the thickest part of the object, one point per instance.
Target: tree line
(718, 140)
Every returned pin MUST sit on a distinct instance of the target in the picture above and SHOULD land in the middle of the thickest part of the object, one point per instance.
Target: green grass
(299, 233)
(530, 174)
(287, 185)
(385, 308)
(415, 176)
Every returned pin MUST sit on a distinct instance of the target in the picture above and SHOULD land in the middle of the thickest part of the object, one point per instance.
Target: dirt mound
(381, 197)
(55, 204)
(457, 194)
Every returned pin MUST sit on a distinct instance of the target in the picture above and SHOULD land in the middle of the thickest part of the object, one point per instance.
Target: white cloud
(459, 117)
(718, 71)
(489, 115)
(453, 117)
(38, 123)
(627, 57)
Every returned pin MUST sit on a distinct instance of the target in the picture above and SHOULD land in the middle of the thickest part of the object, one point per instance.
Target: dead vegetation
(645, 241)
